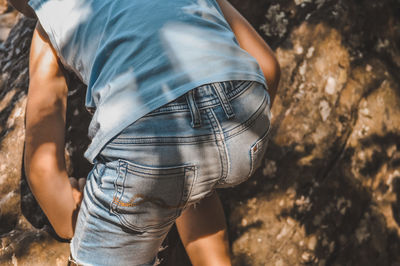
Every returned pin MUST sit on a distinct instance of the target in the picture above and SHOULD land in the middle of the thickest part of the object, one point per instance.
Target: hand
(77, 188)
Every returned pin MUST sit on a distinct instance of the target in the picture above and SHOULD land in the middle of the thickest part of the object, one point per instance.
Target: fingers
(74, 182)
(78, 184)
(81, 183)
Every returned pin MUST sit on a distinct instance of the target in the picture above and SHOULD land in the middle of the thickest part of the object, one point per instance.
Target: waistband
(206, 96)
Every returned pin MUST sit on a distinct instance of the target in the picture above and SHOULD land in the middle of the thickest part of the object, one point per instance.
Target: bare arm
(253, 43)
(45, 126)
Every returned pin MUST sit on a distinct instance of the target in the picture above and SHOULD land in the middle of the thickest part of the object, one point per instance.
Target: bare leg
(203, 232)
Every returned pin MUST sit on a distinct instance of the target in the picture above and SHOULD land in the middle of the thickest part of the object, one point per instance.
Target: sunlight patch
(73, 13)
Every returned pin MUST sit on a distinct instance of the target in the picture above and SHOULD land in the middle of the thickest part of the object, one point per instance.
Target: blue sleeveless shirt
(137, 55)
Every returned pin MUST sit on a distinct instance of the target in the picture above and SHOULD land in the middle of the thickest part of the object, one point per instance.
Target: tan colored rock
(7, 21)
(4, 6)
(329, 190)
(334, 145)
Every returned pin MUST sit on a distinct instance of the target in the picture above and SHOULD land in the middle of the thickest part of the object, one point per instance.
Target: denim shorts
(212, 137)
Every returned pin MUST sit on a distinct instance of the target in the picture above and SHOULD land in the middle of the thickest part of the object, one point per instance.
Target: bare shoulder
(43, 59)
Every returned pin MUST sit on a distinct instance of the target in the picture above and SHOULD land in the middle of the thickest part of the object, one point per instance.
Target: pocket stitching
(263, 140)
(148, 170)
(192, 169)
(186, 171)
(250, 122)
(119, 189)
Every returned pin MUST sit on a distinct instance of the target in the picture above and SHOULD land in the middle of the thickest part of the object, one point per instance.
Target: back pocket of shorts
(148, 197)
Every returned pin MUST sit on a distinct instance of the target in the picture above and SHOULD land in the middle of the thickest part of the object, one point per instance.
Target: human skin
(44, 137)
(44, 157)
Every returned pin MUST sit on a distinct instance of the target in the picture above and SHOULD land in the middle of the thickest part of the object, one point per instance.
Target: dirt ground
(328, 192)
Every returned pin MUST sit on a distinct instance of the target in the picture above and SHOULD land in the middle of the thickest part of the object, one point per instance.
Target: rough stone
(334, 142)
(328, 192)
(4, 6)
(7, 21)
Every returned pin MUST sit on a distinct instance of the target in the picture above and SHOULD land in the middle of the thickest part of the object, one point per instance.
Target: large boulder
(328, 192)
(4, 6)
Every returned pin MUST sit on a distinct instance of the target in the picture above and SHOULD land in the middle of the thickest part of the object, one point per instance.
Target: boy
(179, 110)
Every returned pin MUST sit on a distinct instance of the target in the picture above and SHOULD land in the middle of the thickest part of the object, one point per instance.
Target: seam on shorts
(190, 190)
(262, 140)
(164, 140)
(220, 141)
(248, 123)
(118, 188)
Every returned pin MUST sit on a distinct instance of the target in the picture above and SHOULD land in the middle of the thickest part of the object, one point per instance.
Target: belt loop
(226, 105)
(194, 110)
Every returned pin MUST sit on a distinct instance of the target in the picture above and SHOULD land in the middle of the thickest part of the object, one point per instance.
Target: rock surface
(328, 192)
(8, 18)
(4, 6)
